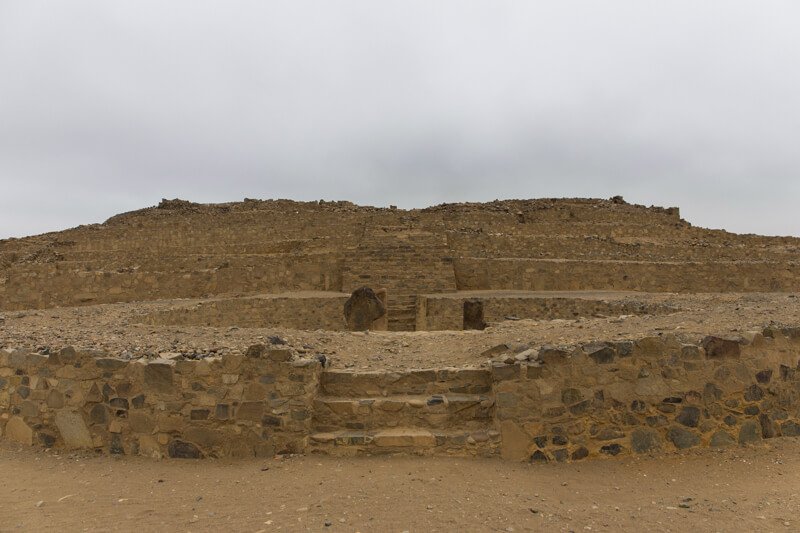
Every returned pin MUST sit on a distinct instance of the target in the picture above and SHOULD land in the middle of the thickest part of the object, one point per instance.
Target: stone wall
(576, 275)
(651, 395)
(308, 311)
(256, 404)
(445, 311)
(542, 404)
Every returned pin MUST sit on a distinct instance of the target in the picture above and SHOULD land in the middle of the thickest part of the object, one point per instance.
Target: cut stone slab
(73, 430)
(515, 442)
(18, 431)
(405, 437)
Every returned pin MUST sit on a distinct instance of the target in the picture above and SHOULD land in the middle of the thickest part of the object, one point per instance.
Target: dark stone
(787, 373)
(47, 440)
(753, 393)
(752, 410)
(667, 408)
(682, 438)
(502, 371)
(158, 377)
(23, 392)
(222, 411)
(559, 440)
(540, 441)
(199, 414)
(580, 407)
(722, 348)
(108, 392)
(580, 453)
(601, 354)
(362, 309)
(473, 315)
(116, 447)
(539, 457)
(711, 393)
(98, 414)
(768, 428)
(673, 399)
(554, 412)
(267, 379)
(638, 406)
(624, 348)
(722, 439)
(656, 421)
(270, 420)
(645, 440)
(179, 449)
(3, 383)
(790, 429)
(256, 351)
(571, 396)
(764, 376)
(689, 416)
(609, 433)
(118, 403)
(611, 449)
(435, 400)
(138, 401)
(561, 455)
(730, 420)
(750, 432)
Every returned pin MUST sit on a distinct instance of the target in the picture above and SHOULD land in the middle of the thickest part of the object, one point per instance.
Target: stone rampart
(551, 403)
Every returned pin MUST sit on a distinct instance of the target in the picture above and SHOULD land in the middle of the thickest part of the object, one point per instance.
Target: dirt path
(755, 489)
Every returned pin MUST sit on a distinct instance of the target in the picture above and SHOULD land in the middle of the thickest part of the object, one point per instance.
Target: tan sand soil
(751, 489)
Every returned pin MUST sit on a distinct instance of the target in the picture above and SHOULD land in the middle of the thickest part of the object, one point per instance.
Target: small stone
(40, 503)
(689, 416)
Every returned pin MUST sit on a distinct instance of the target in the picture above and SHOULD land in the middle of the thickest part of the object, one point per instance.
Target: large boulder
(363, 309)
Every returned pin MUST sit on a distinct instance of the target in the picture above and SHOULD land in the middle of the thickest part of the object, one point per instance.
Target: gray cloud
(107, 106)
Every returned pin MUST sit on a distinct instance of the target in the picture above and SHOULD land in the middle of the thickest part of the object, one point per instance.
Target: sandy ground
(753, 489)
(113, 328)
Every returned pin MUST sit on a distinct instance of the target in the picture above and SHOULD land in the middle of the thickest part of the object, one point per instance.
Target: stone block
(158, 377)
(644, 440)
(722, 347)
(73, 429)
(404, 438)
(18, 431)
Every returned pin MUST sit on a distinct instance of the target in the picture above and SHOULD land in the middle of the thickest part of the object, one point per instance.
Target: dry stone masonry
(548, 403)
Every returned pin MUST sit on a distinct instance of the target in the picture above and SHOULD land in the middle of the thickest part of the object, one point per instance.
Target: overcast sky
(109, 106)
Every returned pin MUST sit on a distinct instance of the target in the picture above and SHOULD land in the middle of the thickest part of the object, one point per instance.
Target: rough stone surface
(362, 309)
(73, 429)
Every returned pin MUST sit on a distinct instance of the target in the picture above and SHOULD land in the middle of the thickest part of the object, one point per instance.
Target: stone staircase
(406, 262)
(423, 412)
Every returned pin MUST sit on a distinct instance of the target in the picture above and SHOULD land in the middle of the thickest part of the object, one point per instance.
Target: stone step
(342, 383)
(483, 442)
(429, 411)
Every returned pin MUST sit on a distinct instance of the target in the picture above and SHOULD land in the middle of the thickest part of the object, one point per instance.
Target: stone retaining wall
(236, 406)
(446, 311)
(545, 404)
(295, 311)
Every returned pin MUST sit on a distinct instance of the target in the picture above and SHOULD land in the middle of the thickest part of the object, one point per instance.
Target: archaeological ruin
(549, 330)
